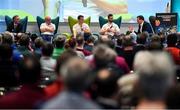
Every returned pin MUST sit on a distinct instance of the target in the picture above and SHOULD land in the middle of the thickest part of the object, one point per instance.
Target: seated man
(15, 28)
(81, 28)
(47, 29)
(110, 29)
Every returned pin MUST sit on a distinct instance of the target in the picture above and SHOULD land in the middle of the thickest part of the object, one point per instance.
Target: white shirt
(112, 26)
(141, 26)
(45, 25)
(80, 29)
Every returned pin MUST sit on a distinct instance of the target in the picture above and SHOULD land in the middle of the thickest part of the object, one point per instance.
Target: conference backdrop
(128, 9)
(176, 8)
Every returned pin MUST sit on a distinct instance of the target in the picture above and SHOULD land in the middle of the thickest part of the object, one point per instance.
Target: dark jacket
(18, 29)
(146, 28)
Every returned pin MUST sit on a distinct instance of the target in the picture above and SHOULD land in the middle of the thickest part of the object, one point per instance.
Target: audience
(29, 95)
(117, 71)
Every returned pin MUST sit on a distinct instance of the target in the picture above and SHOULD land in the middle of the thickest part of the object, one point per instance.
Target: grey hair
(74, 73)
(156, 72)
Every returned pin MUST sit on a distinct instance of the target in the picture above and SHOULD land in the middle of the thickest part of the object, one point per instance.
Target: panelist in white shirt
(110, 28)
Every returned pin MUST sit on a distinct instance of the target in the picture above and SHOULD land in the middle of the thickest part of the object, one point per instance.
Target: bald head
(48, 19)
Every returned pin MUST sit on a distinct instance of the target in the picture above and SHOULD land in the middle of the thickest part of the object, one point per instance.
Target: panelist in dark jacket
(15, 26)
(143, 25)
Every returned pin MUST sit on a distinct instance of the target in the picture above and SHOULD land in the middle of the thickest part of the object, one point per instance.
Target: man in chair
(110, 29)
(81, 28)
(47, 29)
(15, 28)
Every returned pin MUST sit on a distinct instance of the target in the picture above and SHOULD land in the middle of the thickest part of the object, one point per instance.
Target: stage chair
(23, 21)
(152, 22)
(103, 21)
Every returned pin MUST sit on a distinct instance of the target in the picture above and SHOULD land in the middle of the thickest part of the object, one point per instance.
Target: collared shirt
(113, 27)
(141, 26)
(80, 29)
(45, 25)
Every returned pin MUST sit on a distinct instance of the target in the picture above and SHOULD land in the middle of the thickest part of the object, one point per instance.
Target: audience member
(74, 74)
(155, 78)
(59, 46)
(29, 94)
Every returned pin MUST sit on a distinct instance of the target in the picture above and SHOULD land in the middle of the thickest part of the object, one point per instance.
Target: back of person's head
(106, 81)
(47, 49)
(6, 52)
(172, 39)
(127, 41)
(155, 38)
(29, 70)
(119, 41)
(33, 37)
(80, 40)
(71, 43)
(75, 73)
(156, 74)
(38, 42)
(142, 38)
(90, 40)
(155, 46)
(59, 41)
(103, 55)
(7, 39)
(107, 42)
(24, 40)
(64, 57)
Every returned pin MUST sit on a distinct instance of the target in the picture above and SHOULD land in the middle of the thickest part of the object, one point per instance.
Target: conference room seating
(55, 21)
(23, 21)
(103, 21)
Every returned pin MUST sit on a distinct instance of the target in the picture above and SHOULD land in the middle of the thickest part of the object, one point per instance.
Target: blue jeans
(47, 38)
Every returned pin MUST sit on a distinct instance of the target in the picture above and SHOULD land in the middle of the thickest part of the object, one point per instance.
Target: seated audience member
(38, 43)
(172, 49)
(128, 50)
(80, 45)
(110, 29)
(126, 97)
(29, 94)
(58, 46)
(48, 63)
(107, 87)
(7, 68)
(57, 86)
(23, 49)
(81, 28)
(154, 78)
(103, 55)
(47, 29)
(15, 27)
(74, 74)
(89, 45)
(71, 44)
(119, 47)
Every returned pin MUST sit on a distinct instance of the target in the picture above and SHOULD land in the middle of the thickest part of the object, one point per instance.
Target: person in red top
(80, 45)
(29, 95)
(172, 49)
